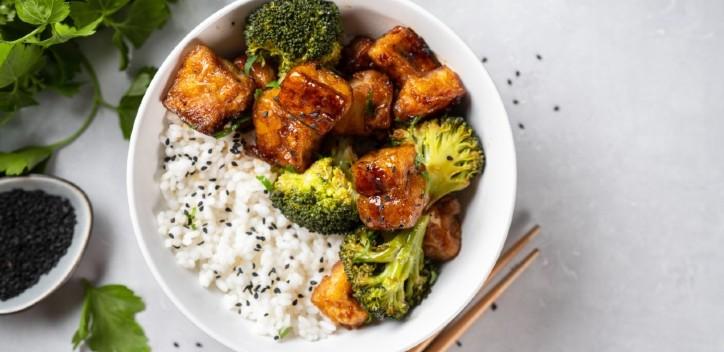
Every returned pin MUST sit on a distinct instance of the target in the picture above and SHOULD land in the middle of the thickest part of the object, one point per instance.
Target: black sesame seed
(228, 224)
(515, 101)
(484, 59)
(254, 274)
(276, 337)
(238, 304)
(199, 345)
(294, 302)
(173, 220)
(210, 150)
(312, 282)
(228, 210)
(277, 290)
(208, 162)
(449, 158)
(286, 266)
(556, 108)
(510, 82)
(175, 344)
(517, 73)
(539, 57)
(167, 142)
(212, 179)
(203, 168)
(458, 343)
(300, 296)
(493, 306)
(321, 270)
(200, 243)
(521, 126)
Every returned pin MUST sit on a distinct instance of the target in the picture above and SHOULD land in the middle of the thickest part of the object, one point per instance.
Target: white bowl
(54, 278)
(488, 210)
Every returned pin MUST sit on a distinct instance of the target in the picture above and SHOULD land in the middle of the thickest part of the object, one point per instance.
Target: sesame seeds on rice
(219, 222)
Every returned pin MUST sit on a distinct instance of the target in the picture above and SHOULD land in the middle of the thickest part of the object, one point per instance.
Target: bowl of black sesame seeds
(45, 224)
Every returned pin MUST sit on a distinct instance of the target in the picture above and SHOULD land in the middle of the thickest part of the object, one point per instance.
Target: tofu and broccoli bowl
(316, 179)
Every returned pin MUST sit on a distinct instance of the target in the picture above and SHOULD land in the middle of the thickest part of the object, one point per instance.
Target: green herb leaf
(284, 332)
(107, 321)
(128, 106)
(12, 101)
(42, 12)
(249, 62)
(19, 60)
(257, 93)
(119, 43)
(61, 65)
(7, 11)
(369, 105)
(272, 84)
(190, 218)
(142, 18)
(233, 126)
(22, 160)
(268, 185)
(86, 12)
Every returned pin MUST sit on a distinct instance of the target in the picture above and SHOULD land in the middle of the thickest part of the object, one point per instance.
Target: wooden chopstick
(453, 331)
(502, 262)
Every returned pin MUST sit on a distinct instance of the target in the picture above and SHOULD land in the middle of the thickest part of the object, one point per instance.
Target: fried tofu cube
(371, 105)
(208, 91)
(333, 297)
(261, 72)
(281, 139)
(442, 236)
(402, 54)
(316, 96)
(392, 190)
(428, 94)
(355, 55)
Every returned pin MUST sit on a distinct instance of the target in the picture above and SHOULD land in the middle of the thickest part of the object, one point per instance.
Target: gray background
(627, 179)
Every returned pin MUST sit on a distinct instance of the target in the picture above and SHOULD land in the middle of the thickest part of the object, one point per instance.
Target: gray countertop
(626, 179)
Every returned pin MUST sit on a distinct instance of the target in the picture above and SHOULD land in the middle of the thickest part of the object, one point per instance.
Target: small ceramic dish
(53, 279)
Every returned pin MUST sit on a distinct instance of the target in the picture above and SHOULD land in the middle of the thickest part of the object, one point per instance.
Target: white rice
(239, 243)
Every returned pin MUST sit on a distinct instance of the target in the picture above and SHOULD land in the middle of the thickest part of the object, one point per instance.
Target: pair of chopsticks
(447, 337)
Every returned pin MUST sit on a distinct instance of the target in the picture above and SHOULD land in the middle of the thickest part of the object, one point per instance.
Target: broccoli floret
(295, 31)
(320, 199)
(388, 277)
(449, 149)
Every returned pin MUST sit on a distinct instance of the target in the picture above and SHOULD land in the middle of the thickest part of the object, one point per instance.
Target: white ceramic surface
(489, 203)
(53, 279)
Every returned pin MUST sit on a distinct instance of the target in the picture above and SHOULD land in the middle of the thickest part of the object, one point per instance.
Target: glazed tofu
(261, 72)
(391, 188)
(428, 94)
(371, 105)
(333, 297)
(402, 54)
(316, 96)
(355, 55)
(281, 139)
(207, 91)
(442, 237)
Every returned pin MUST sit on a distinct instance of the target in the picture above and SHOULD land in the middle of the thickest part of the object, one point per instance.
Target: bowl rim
(169, 64)
(84, 235)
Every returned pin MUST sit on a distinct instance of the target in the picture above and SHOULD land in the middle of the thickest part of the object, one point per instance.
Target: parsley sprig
(108, 320)
(39, 52)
